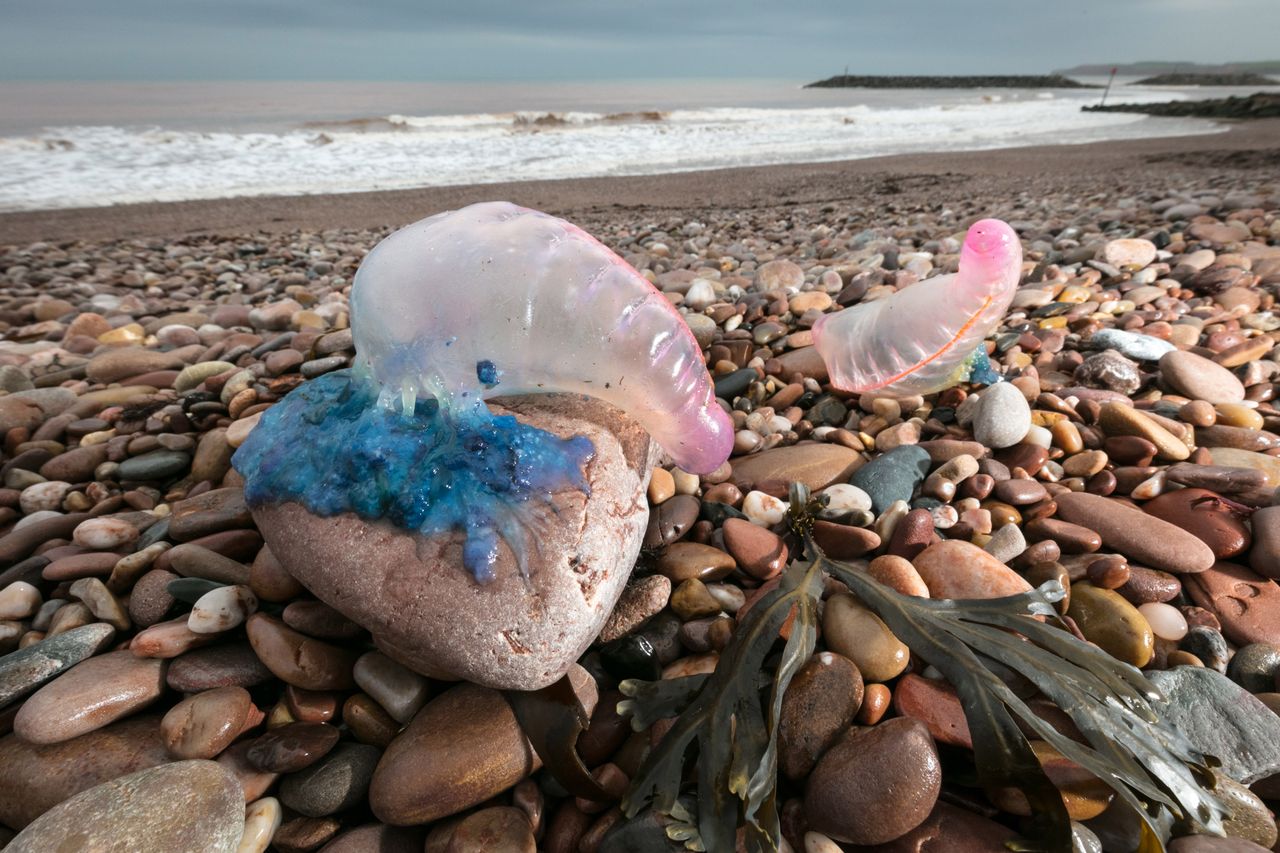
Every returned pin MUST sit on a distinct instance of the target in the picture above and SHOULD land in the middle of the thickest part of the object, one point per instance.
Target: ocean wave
(104, 165)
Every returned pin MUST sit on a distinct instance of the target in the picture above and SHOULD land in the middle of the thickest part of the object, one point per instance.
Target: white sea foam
(103, 165)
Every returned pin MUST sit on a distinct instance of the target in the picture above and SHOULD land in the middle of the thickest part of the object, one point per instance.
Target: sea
(94, 144)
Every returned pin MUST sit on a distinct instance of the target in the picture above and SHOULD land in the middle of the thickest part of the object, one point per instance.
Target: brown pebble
(875, 701)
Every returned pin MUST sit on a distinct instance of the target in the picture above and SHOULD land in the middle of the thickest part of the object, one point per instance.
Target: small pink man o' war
(546, 307)
(917, 340)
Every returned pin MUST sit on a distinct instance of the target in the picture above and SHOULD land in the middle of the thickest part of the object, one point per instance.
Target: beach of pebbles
(166, 684)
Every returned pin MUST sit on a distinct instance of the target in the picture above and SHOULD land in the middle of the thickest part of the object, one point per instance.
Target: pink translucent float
(917, 340)
(495, 299)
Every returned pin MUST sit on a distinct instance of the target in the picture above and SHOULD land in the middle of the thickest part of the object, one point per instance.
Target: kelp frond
(733, 723)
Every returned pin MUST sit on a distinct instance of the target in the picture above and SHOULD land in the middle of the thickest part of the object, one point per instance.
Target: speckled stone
(38, 777)
(495, 634)
(337, 782)
(1221, 718)
(26, 669)
(89, 696)
(875, 784)
(194, 806)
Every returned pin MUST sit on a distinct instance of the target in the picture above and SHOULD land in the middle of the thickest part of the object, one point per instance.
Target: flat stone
(292, 747)
(212, 512)
(298, 659)
(1222, 719)
(759, 551)
(1143, 538)
(1247, 604)
(935, 704)
(156, 465)
(954, 568)
(26, 669)
(90, 695)
(815, 465)
(123, 362)
(194, 806)
(1132, 344)
(400, 691)
(223, 665)
(875, 784)
(464, 747)
(1199, 378)
(496, 633)
(336, 783)
(38, 777)
(640, 601)
(1203, 515)
(892, 476)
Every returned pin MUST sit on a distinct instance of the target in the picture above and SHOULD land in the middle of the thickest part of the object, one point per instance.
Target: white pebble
(19, 600)
(1038, 436)
(764, 509)
(816, 842)
(842, 499)
(261, 820)
(1166, 621)
(35, 517)
(43, 496)
(1003, 418)
(103, 534)
(686, 483)
(222, 609)
(944, 517)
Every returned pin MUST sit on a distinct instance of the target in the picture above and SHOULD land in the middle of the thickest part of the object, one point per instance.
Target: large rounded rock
(36, 778)
(464, 747)
(876, 784)
(192, 806)
(426, 611)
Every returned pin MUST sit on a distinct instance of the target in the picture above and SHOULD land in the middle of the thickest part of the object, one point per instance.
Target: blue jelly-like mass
(331, 447)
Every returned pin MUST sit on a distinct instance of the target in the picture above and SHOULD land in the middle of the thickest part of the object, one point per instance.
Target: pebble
(400, 691)
(1136, 346)
(292, 747)
(1003, 418)
(759, 552)
(204, 724)
(462, 748)
(1247, 604)
(875, 784)
(90, 695)
(815, 465)
(1141, 537)
(898, 573)
(104, 534)
(851, 630)
(935, 704)
(1166, 622)
(1254, 667)
(640, 601)
(222, 609)
(1220, 718)
(1199, 378)
(682, 561)
(297, 659)
(820, 703)
(956, 569)
(892, 476)
(26, 669)
(1105, 618)
(335, 783)
(224, 665)
(261, 820)
(1202, 514)
(1264, 557)
(19, 600)
(194, 806)
(38, 777)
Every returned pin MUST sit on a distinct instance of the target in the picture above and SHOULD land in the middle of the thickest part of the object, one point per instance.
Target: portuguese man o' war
(489, 300)
(922, 338)
(495, 299)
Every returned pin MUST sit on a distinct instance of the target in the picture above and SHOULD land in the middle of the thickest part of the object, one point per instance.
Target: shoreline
(871, 183)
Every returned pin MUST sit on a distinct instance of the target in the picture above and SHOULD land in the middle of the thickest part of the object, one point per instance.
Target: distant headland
(986, 81)
(1257, 105)
(1239, 78)
(1153, 67)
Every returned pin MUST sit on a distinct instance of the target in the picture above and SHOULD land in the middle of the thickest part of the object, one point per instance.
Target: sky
(411, 40)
